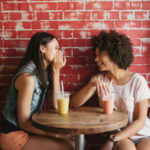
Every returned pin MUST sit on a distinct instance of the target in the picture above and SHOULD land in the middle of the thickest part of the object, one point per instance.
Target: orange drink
(108, 103)
(63, 102)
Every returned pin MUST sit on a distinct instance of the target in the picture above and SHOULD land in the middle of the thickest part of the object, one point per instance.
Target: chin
(101, 69)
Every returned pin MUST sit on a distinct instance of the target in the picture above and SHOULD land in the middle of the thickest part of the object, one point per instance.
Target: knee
(123, 145)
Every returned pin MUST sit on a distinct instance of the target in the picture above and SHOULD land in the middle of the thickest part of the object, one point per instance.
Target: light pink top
(127, 95)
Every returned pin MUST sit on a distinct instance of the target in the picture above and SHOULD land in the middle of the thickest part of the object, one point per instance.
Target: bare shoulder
(24, 80)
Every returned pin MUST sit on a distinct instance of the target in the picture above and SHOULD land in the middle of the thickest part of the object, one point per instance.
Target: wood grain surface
(83, 120)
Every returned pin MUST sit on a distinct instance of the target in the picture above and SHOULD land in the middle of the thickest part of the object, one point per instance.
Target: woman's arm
(25, 86)
(82, 95)
(140, 113)
(58, 62)
(88, 91)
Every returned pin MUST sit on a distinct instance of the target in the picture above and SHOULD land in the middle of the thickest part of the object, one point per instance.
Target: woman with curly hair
(132, 94)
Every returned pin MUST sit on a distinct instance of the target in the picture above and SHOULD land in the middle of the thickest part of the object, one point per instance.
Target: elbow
(73, 104)
(141, 124)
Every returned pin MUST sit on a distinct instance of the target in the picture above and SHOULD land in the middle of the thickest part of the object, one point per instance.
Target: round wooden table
(79, 121)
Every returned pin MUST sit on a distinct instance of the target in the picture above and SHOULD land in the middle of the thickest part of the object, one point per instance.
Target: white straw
(62, 88)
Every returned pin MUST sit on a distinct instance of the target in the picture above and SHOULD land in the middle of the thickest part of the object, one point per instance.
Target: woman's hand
(102, 84)
(58, 62)
(108, 145)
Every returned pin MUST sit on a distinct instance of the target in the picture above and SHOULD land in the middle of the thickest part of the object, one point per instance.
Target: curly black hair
(118, 46)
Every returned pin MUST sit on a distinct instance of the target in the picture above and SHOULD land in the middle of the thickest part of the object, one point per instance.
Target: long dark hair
(34, 54)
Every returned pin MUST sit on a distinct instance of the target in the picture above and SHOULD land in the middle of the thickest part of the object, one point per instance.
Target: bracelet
(113, 138)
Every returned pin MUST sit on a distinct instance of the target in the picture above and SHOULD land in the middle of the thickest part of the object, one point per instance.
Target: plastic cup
(63, 102)
(108, 103)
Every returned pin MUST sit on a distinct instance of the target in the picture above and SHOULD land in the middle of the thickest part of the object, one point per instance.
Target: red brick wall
(74, 22)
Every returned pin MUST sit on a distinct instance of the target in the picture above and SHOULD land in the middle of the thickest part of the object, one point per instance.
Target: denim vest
(10, 110)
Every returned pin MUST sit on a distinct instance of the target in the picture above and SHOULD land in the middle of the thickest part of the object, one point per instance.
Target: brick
(98, 15)
(83, 15)
(141, 15)
(149, 78)
(140, 68)
(146, 60)
(10, 61)
(112, 15)
(8, 71)
(8, 34)
(146, 24)
(16, 6)
(136, 42)
(42, 15)
(81, 42)
(17, 25)
(146, 42)
(69, 78)
(91, 60)
(128, 24)
(99, 5)
(5, 79)
(127, 15)
(28, 15)
(136, 51)
(139, 33)
(122, 5)
(56, 15)
(15, 43)
(13, 52)
(26, 34)
(137, 60)
(83, 52)
(67, 51)
(44, 25)
(1, 43)
(93, 25)
(15, 16)
(55, 32)
(1, 25)
(85, 33)
(79, 15)
(85, 70)
(66, 25)
(71, 15)
(3, 16)
(71, 5)
(43, 6)
(65, 42)
(146, 5)
(76, 60)
(146, 50)
(66, 34)
(66, 70)
(10, 25)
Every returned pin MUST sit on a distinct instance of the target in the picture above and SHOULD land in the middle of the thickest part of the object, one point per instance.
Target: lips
(100, 64)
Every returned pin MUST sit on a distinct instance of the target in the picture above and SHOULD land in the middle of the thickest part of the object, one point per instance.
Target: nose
(96, 59)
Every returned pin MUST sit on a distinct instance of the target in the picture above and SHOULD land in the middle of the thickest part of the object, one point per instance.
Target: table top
(83, 120)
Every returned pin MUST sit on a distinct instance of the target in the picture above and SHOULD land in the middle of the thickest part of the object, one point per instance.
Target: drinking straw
(62, 88)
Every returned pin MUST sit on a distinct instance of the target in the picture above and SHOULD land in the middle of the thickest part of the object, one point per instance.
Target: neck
(117, 74)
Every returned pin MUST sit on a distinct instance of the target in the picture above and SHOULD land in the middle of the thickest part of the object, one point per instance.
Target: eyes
(100, 54)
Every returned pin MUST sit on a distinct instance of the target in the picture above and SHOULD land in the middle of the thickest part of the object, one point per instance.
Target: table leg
(79, 142)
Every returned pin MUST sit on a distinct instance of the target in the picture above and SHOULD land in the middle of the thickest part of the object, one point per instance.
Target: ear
(42, 48)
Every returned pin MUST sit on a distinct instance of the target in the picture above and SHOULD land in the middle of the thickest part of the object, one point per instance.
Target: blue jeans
(141, 139)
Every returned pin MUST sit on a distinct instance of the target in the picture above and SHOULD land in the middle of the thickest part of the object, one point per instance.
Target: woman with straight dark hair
(36, 76)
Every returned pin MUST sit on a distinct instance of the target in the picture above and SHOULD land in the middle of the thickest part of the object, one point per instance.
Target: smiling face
(104, 61)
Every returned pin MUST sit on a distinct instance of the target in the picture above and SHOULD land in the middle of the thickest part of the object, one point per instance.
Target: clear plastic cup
(108, 103)
(63, 102)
